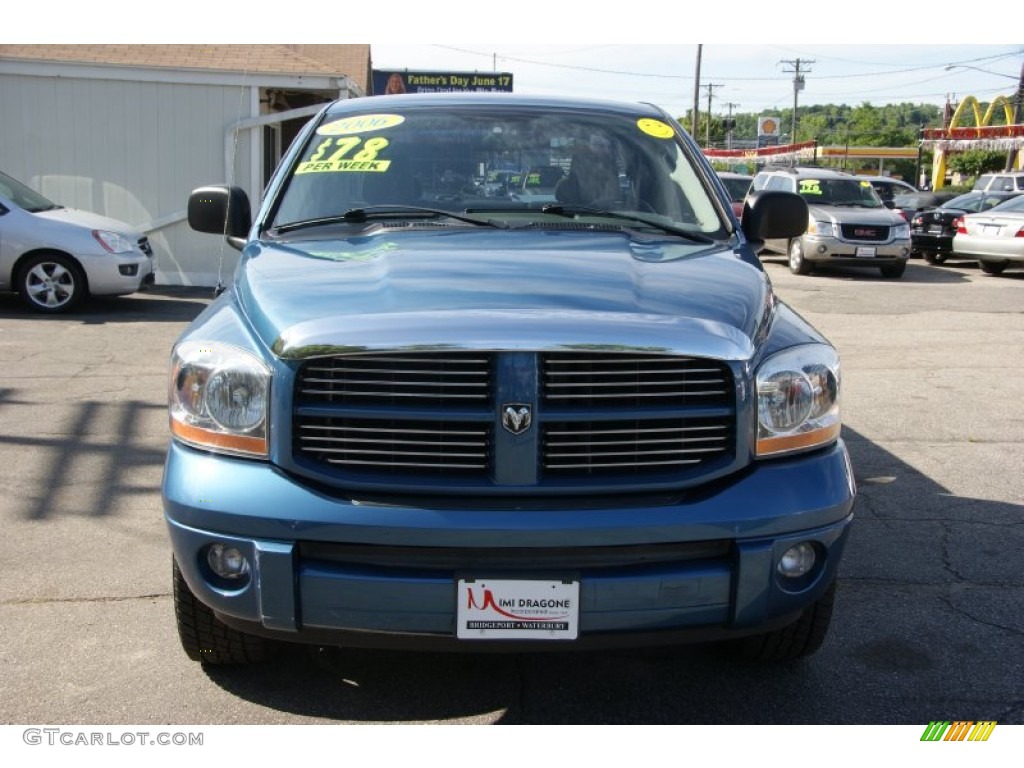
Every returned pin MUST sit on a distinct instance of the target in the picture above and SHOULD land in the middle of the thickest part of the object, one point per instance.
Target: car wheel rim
(796, 257)
(50, 285)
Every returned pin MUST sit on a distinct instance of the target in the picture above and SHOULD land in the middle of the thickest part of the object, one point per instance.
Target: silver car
(995, 237)
(55, 257)
(848, 226)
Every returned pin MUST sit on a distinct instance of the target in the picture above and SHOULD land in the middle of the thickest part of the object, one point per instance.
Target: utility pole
(729, 125)
(696, 96)
(798, 85)
(710, 87)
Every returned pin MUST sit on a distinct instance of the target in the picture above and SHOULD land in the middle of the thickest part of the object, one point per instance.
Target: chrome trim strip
(512, 331)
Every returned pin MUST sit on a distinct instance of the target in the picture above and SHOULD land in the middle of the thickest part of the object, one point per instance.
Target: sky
(868, 51)
(742, 77)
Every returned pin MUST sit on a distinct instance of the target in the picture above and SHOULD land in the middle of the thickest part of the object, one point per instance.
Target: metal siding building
(130, 131)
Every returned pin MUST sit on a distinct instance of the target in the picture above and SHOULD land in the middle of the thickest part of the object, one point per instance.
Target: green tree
(974, 162)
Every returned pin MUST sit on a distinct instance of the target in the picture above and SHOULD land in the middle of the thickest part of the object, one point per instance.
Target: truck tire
(208, 640)
(794, 641)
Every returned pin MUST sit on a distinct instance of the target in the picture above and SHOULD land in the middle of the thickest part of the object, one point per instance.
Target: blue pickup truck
(422, 417)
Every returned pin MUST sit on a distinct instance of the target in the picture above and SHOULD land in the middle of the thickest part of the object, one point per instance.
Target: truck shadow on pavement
(928, 624)
(160, 303)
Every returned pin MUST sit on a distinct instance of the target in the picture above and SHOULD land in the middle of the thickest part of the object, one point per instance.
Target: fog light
(128, 270)
(227, 562)
(822, 248)
(797, 561)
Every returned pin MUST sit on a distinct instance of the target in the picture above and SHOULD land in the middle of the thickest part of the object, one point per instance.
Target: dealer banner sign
(407, 81)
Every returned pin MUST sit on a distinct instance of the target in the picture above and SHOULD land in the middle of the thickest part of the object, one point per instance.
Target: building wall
(132, 151)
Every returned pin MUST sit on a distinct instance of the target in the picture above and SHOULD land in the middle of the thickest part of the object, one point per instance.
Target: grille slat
(618, 418)
(629, 379)
(389, 379)
(637, 447)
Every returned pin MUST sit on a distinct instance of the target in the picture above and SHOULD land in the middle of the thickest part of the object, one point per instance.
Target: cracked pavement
(929, 616)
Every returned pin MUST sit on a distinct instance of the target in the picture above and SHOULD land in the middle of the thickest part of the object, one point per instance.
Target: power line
(658, 75)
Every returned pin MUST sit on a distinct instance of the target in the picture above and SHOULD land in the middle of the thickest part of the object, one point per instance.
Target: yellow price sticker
(347, 153)
(359, 124)
(655, 128)
(810, 187)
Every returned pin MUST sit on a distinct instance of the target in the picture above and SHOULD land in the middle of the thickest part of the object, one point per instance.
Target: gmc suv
(426, 418)
(848, 224)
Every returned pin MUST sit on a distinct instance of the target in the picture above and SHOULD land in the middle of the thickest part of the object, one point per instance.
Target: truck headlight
(798, 400)
(901, 231)
(219, 398)
(820, 228)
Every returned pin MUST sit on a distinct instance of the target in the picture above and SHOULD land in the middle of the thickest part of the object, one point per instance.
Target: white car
(55, 257)
(994, 237)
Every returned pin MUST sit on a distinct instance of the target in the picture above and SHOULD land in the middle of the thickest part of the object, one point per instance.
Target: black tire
(51, 283)
(208, 640)
(993, 267)
(798, 265)
(894, 270)
(794, 641)
(935, 258)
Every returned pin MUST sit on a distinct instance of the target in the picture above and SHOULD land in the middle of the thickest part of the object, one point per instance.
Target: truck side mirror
(221, 210)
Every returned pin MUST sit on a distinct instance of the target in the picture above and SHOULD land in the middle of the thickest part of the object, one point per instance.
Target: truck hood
(850, 215)
(502, 290)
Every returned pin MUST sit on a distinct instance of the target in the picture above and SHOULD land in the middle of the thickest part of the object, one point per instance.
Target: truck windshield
(509, 162)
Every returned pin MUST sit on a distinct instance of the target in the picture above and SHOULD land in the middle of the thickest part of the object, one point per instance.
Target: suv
(848, 226)
(472, 424)
(1011, 181)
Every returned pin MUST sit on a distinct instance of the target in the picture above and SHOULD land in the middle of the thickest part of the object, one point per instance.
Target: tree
(974, 162)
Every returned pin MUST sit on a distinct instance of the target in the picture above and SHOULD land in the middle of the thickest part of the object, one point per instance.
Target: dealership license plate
(512, 609)
(863, 252)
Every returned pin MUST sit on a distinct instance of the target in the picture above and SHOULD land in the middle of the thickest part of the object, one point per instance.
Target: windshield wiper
(572, 211)
(361, 215)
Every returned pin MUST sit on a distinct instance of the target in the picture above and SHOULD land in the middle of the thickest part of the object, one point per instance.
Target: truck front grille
(401, 420)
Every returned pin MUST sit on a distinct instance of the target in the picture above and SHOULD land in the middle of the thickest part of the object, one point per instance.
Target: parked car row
(994, 237)
(932, 231)
(848, 228)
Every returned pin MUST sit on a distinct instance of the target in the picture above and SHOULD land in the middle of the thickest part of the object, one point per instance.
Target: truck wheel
(798, 265)
(795, 641)
(933, 257)
(208, 640)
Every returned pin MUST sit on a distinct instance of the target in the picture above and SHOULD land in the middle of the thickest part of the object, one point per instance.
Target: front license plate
(508, 609)
(863, 252)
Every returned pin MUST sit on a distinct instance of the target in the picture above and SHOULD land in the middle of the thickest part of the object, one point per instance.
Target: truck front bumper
(325, 569)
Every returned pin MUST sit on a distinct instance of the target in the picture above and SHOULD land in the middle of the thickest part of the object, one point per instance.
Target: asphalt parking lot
(929, 622)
